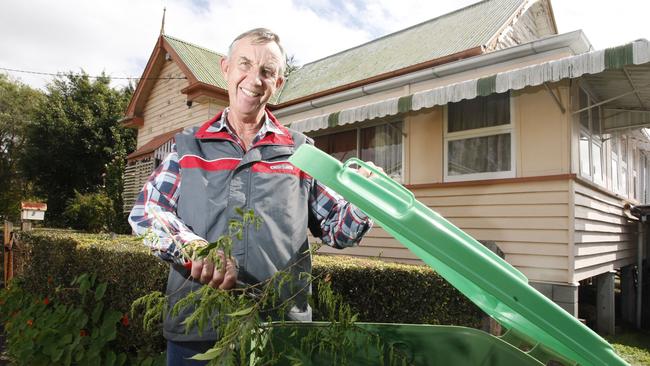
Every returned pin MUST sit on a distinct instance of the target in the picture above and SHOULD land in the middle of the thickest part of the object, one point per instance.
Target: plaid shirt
(154, 214)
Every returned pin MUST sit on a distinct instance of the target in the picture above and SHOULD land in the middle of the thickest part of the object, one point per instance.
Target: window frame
(368, 124)
(509, 128)
(595, 138)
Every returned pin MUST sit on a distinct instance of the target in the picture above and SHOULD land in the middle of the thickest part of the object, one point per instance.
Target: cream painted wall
(542, 130)
(425, 146)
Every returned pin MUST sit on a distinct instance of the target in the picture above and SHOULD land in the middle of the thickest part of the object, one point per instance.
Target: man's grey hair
(262, 36)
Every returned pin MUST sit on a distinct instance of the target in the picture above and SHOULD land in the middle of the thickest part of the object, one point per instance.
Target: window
(478, 139)
(590, 143)
(620, 177)
(381, 144)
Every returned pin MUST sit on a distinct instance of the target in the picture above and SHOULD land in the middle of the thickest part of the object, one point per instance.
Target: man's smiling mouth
(249, 92)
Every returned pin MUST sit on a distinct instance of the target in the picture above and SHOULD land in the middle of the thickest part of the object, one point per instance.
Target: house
(516, 134)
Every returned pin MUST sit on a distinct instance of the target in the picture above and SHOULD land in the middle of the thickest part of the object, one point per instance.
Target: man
(238, 159)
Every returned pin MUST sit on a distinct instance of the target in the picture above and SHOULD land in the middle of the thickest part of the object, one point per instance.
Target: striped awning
(632, 58)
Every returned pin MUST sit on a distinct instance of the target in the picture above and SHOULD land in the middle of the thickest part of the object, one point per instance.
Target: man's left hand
(368, 173)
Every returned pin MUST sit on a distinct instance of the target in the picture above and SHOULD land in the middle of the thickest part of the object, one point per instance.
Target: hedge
(377, 290)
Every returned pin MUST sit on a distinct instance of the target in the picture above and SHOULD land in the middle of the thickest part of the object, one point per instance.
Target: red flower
(83, 333)
(46, 300)
(125, 320)
(30, 322)
(49, 280)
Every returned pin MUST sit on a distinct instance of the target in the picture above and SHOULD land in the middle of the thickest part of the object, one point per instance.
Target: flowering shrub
(51, 330)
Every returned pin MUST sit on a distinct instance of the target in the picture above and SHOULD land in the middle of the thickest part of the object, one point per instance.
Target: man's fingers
(230, 277)
(368, 173)
(218, 272)
(207, 272)
(197, 267)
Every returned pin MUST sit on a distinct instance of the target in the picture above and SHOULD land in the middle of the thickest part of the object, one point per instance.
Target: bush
(51, 329)
(396, 293)
(51, 258)
(378, 291)
(91, 212)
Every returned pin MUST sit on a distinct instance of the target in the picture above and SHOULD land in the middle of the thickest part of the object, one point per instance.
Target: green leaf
(242, 312)
(121, 359)
(99, 291)
(97, 312)
(110, 358)
(208, 355)
(57, 354)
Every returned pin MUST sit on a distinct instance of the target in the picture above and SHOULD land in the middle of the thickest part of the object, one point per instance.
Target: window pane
(595, 121)
(383, 146)
(480, 112)
(614, 172)
(584, 156)
(583, 102)
(342, 145)
(596, 155)
(479, 155)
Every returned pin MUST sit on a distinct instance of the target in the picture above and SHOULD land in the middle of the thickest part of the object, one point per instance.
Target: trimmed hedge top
(379, 291)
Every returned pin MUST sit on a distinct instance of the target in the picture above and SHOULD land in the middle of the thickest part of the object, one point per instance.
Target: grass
(633, 346)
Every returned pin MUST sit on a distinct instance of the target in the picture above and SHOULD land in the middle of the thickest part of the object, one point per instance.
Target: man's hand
(367, 173)
(207, 273)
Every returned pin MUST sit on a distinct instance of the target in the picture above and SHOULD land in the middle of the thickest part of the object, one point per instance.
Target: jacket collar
(272, 132)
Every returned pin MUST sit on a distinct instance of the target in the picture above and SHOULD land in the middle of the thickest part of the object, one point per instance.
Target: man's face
(253, 74)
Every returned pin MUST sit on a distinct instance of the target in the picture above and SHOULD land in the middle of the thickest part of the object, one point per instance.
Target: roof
(36, 206)
(152, 145)
(202, 62)
(463, 29)
(620, 76)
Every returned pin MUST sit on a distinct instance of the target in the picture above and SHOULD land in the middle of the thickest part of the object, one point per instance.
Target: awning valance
(632, 59)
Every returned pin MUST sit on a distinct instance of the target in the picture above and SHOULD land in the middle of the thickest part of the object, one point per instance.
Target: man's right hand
(207, 273)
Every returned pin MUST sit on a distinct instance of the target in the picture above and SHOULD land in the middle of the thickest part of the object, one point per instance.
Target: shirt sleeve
(342, 224)
(154, 217)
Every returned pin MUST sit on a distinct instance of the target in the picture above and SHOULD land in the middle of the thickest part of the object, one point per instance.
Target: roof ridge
(195, 45)
(401, 31)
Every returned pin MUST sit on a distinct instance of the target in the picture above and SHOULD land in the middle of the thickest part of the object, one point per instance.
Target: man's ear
(224, 66)
(279, 82)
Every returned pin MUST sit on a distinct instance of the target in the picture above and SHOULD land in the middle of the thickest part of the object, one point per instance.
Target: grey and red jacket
(218, 176)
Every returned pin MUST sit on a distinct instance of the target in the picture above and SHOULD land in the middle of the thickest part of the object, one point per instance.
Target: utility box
(34, 211)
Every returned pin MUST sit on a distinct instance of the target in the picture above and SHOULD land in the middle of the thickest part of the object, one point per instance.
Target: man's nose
(255, 76)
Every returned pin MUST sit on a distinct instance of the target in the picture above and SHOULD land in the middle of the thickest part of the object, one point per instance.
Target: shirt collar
(267, 126)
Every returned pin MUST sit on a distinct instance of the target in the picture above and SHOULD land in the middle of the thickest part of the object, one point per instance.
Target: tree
(74, 139)
(18, 103)
(292, 65)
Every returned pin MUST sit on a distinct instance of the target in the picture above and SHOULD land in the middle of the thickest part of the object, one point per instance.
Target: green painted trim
(486, 86)
(617, 57)
(333, 119)
(405, 104)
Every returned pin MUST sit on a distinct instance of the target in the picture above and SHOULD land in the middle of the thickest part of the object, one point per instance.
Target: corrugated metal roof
(451, 33)
(203, 63)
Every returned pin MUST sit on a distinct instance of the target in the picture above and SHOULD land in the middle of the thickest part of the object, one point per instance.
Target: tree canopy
(18, 103)
(75, 138)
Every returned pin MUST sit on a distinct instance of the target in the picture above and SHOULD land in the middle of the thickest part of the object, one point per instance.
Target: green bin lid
(547, 331)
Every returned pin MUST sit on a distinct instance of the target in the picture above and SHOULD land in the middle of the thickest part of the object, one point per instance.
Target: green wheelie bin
(538, 331)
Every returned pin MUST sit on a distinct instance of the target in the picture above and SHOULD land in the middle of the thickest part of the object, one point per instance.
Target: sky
(118, 36)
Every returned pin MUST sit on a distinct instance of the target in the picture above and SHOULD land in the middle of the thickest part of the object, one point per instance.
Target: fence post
(8, 253)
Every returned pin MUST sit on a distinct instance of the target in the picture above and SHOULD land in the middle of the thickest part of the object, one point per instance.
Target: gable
(533, 21)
